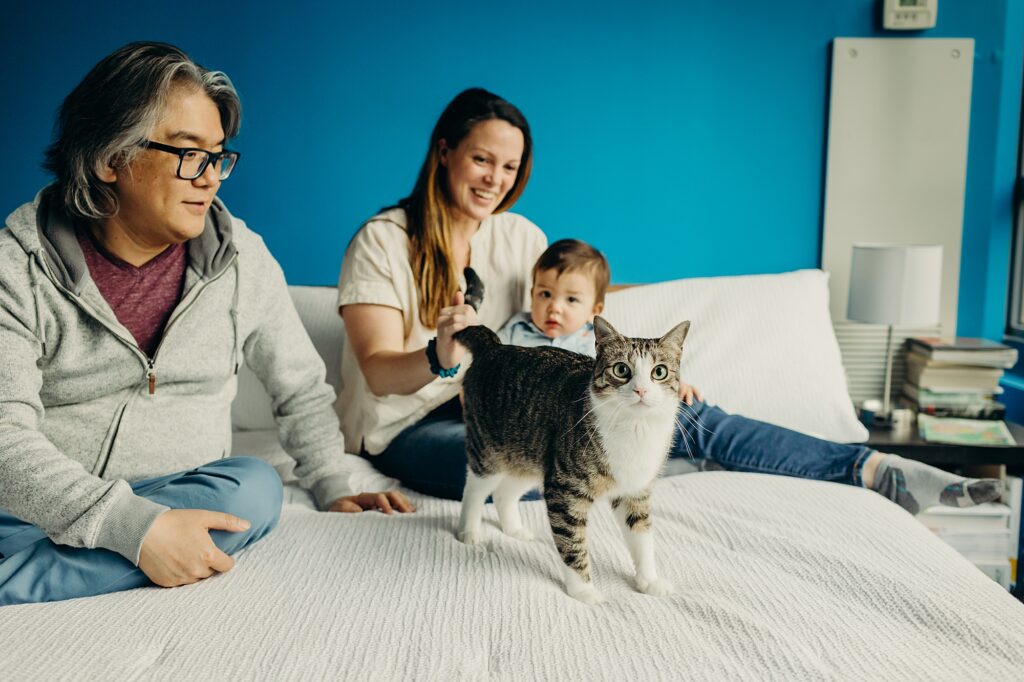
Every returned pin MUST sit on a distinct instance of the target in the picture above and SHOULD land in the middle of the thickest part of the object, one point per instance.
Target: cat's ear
(677, 335)
(603, 330)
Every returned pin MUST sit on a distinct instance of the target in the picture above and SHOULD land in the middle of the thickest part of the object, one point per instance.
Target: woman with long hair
(400, 291)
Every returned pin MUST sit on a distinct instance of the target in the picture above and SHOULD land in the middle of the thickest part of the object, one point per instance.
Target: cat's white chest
(635, 452)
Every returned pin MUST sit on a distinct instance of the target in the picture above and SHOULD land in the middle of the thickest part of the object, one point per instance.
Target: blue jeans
(430, 455)
(35, 569)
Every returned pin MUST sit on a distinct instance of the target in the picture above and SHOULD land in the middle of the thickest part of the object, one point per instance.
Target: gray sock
(916, 486)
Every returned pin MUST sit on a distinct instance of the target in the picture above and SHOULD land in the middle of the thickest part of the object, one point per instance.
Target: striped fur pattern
(583, 428)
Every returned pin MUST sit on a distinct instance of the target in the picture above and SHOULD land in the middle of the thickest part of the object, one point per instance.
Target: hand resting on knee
(178, 549)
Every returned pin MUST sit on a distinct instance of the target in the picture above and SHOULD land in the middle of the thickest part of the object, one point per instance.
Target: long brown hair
(428, 215)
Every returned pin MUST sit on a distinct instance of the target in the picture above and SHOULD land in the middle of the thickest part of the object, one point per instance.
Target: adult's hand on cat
(687, 393)
(387, 502)
(177, 549)
(454, 318)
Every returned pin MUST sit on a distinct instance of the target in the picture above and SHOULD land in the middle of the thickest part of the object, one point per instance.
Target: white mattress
(776, 579)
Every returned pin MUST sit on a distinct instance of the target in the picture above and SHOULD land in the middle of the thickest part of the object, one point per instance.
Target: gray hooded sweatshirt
(84, 411)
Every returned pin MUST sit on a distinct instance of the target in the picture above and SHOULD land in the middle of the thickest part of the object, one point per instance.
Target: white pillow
(760, 345)
(318, 309)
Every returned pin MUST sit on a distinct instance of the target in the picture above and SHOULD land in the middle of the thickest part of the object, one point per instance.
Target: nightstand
(909, 444)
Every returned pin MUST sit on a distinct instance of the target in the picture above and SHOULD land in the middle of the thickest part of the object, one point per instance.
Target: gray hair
(114, 110)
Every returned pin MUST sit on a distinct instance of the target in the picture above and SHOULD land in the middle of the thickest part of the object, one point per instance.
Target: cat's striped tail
(478, 339)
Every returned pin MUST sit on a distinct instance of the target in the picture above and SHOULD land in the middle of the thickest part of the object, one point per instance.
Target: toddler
(570, 280)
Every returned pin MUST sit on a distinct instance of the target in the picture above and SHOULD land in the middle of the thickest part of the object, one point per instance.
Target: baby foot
(915, 486)
(656, 587)
(971, 491)
(586, 593)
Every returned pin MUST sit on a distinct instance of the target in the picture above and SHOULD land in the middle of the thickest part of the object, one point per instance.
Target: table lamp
(894, 284)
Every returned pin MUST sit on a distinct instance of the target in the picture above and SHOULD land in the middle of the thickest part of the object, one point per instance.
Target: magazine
(964, 431)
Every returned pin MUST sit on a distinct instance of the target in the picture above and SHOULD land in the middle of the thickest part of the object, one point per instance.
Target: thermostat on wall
(909, 15)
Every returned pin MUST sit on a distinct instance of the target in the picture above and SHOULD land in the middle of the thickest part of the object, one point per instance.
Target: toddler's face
(563, 303)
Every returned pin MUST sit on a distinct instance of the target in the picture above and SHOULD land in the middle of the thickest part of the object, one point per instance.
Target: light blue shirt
(521, 331)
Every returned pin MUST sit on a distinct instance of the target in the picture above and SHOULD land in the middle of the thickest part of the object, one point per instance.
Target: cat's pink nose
(640, 392)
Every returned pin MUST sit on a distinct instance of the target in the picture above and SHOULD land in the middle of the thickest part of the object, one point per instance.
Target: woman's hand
(687, 393)
(386, 502)
(454, 318)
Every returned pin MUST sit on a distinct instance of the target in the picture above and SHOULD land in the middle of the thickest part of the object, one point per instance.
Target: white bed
(776, 578)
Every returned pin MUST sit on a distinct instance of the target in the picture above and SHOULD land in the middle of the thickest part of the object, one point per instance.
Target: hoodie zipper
(148, 362)
(196, 291)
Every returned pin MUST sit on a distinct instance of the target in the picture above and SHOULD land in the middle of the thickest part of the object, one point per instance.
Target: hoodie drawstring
(37, 296)
(234, 317)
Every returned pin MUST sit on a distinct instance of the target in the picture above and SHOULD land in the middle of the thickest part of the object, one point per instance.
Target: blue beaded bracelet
(435, 364)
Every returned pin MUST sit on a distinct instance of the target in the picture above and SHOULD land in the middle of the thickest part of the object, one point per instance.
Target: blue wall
(684, 138)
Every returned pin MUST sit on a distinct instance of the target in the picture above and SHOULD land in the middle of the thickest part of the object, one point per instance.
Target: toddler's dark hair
(572, 255)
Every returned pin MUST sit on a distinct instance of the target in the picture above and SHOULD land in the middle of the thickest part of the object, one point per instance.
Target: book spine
(963, 411)
(970, 401)
(919, 346)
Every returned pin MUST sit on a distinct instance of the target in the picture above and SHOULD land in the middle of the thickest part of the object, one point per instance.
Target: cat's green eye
(659, 373)
(621, 370)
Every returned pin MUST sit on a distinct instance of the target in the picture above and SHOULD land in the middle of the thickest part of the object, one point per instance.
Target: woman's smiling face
(482, 168)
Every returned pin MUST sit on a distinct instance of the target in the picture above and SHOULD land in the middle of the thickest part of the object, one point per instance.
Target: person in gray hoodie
(129, 297)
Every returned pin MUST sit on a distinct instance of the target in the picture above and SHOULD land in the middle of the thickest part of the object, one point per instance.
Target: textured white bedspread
(776, 579)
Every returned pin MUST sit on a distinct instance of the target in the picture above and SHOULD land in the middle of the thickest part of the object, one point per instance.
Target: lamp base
(897, 419)
(882, 421)
(874, 418)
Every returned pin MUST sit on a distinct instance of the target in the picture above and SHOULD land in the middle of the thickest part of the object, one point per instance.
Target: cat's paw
(468, 536)
(520, 534)
(587, 593)
(656, 588)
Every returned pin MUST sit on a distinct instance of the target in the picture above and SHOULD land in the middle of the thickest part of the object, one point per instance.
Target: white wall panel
(897, 153)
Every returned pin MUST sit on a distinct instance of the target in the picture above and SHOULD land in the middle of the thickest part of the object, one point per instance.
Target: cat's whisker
(695, 418)
(682, 429)
(691, 422)
(613, 417)
(689, 412)
(592, 408)
(593, 431)
(689, 453)
(686, 440)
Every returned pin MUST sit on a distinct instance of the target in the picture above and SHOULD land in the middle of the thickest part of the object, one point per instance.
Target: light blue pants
(35, 569)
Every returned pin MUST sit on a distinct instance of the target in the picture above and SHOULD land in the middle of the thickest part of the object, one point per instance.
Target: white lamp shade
(895, 284)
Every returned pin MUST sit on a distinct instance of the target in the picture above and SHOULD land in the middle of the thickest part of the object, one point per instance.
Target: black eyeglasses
(192, 161)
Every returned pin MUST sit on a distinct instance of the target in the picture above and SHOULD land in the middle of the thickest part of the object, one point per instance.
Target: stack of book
(986, 535)
(958, 378)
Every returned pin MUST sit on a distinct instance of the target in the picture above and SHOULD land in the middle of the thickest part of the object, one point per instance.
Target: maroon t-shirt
(142, 298)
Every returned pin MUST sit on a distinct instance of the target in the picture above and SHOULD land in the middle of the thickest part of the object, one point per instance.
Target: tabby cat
(583, 427)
